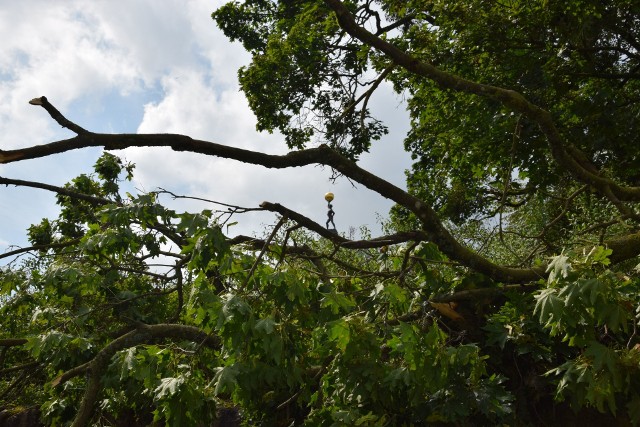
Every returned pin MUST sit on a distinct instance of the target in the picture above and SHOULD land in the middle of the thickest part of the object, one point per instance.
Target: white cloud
(80, 53)
(62, 50)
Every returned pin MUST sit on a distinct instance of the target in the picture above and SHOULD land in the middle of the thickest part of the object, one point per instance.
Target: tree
(504, 292)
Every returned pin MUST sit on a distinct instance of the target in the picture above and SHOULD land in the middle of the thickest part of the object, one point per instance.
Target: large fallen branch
(142, 334)
(433, 228)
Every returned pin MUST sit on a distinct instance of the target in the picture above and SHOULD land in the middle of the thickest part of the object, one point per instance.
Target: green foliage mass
(327, 348)
(524, 141)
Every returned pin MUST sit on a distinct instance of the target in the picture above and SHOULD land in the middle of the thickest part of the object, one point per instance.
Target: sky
(146, 66)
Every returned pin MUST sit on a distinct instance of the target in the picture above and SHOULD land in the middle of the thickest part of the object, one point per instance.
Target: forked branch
(433, 228)
(142, 334)
(566, 155)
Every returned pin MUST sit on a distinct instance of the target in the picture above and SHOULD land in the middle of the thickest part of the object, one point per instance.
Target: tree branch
(433, 228)
(12, 342)
(142, 334)
(561, 151)
(57, 115)
(39, 248)
(59, 190)
(18, 368)
(475, 294)
(366, 95)
(280, 223)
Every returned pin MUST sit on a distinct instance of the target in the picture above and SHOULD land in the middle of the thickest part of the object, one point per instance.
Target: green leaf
(600, 255)
(168, 387)
(614, 316)
(633, 409)
(602, 356)
(559, 267)
(368, 419)
(497, 333)
(265, 325)
(340, 332)
(337, 301)
(225, 379)
(129, 363)
(548, 305)
(594, 288)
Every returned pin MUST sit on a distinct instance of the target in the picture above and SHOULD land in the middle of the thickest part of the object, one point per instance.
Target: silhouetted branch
(59, 190)
(433, 228)
(57, 115)
(567, 156)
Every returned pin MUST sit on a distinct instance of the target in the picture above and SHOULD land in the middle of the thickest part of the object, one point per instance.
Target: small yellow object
(328, 197)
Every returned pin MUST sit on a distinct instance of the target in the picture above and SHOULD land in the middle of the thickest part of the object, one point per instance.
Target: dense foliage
(506, 291)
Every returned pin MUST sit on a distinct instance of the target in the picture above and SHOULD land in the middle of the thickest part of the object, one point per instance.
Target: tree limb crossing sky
(152, 67)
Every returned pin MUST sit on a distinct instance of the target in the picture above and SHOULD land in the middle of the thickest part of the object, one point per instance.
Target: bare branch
(71, 373)
(236, 208)
(59, 190)
(264, 248)
(400, 22)
(57, 115)
(366, 95)
(39, 248)
(433, 228)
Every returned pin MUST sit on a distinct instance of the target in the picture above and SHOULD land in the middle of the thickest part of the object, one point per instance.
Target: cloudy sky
(149, 67)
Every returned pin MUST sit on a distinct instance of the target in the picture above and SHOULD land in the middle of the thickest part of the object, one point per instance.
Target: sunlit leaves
(168, 387)
(225, 379)
(575, 305)
(340, 333)
(315, 332)
(112, 241)
(159, 381)
(60, 349)
(41, 234)
(549, 305)
(298, 81)
(337, 301)
(181, 401)
(108, 168)
(558, 267)
(206, 246)
(588, 308)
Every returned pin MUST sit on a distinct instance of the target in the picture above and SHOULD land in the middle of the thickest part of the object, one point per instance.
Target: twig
(39, 248)
(366, 95)
(59, 190)
(13, 384)
(263, 250)
(57, 116)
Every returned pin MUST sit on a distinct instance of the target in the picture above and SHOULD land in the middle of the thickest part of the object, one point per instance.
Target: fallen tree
(506, 287)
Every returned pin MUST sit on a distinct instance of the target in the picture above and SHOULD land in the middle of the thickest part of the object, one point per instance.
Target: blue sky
(149, 66)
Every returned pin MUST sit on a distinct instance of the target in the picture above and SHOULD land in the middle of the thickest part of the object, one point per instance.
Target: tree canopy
(505, 290)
